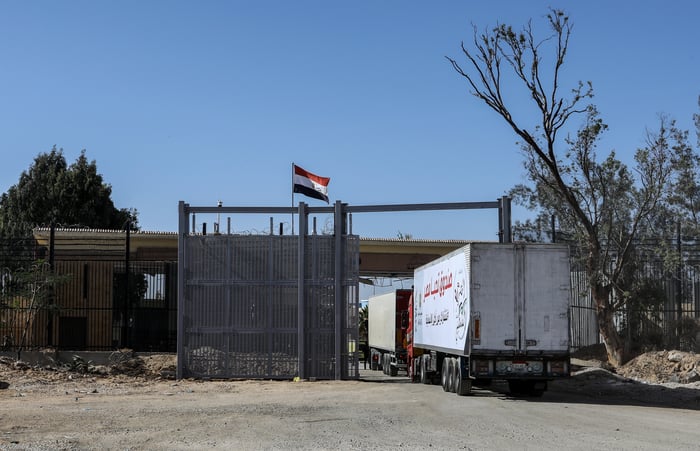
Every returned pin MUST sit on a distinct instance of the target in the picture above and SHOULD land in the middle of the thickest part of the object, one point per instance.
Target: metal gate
(277, 306)
(239, 307)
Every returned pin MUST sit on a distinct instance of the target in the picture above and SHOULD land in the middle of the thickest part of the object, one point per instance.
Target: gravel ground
(51, 408)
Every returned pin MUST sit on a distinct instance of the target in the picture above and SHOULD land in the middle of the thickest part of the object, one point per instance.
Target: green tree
(602, 204)
(50, 191)
(684, 193)
(631, 212)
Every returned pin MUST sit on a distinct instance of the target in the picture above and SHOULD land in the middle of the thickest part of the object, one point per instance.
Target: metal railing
(93, 305)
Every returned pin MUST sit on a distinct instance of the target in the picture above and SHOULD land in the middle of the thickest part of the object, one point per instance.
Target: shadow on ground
(590, 386)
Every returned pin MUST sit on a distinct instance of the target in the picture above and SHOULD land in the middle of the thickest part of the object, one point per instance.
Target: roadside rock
(663, 366)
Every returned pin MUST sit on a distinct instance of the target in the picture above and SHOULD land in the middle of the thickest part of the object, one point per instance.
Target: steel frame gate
(217, 335)
(247, 311)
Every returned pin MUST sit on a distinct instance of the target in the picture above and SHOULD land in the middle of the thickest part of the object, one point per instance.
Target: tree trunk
(606, 325)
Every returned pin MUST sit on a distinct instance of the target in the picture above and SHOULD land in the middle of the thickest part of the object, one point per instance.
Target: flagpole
(292, 197)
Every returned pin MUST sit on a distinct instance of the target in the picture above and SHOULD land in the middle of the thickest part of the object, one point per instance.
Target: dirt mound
(127, 362)
(656, 367)
(663, 366)
(163, 365)
(121, 363)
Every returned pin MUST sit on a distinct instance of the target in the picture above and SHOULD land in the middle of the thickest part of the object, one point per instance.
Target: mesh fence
(240, 307)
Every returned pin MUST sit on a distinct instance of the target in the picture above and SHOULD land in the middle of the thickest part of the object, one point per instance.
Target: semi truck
(488, 311)
(387, 331)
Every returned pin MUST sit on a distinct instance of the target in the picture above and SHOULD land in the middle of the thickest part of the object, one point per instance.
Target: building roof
(379, 257)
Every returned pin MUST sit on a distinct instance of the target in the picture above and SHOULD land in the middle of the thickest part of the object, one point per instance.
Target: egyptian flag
(310, 184)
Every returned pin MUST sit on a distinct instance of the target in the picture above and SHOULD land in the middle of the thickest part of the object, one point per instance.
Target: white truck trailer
(492, 311)
(387, 333)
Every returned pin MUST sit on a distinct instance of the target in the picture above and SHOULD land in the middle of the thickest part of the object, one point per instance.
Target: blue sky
(214, 100)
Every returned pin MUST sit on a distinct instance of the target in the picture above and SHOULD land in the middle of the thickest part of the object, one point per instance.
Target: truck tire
(374, 364)
(393, 370)
(423, 371)
(450, 375)
(385, 367)
(455, 375)
(443, 374)
(463, 386)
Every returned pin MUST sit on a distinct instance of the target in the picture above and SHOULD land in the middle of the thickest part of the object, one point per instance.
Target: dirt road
(592, 410)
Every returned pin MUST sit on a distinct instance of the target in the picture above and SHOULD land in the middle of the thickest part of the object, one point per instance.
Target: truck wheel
(423, 371)
(444, 373)
(455, 375)
(450, 375)
(385, 368)
(393, 370)
(374, 364)
(462, 386)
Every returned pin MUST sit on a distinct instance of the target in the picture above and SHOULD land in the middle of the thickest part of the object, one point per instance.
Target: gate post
(504, 220)
(127, 270)
(339, 223)
(301, 301)
(52, 268)
(183, 231)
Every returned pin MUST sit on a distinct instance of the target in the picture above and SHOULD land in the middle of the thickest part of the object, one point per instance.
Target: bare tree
(28, 291)
(604, 203)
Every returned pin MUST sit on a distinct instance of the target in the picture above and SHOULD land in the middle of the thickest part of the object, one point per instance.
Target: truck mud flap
(462, 384)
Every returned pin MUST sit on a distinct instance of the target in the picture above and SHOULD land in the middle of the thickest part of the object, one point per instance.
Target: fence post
(52, 256)
(504, 220)
(301, 292)
(125, 311)
(182, 233)
(339, 223)
(679, 287)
